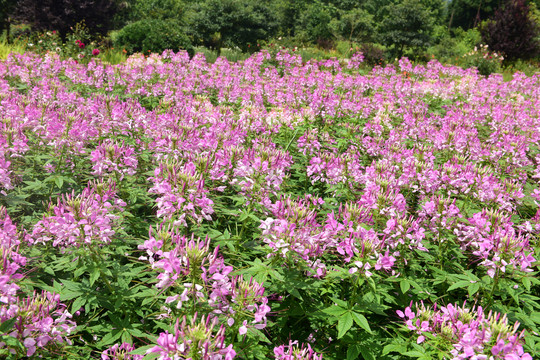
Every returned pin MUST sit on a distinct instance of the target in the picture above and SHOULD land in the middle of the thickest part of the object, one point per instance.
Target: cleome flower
(469, 332)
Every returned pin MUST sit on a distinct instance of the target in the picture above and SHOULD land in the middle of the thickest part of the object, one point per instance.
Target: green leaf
(341, 303)
(77, 304)
(59, 181)
(405, 286)
(7, 325)
(335, 310)
(259, 335)
(473, 288)
(526, 282)
(361, 321)
(142, 350)
(110, 337)
(394, 348)
(126, 337)
(367, 354)
(416, 354)
(352, 352)
(94, 275)
(460, 284)
(344, 324)
(79, 271)
(151, 356)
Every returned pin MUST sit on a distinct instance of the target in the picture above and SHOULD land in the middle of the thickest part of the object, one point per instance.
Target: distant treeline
(395, 27)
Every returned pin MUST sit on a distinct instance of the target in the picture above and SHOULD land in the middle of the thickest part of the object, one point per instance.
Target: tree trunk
(477, 19)
(8, 30)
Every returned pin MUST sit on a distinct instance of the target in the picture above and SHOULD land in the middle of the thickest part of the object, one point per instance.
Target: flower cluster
(120, 352)
(196, 275)
(182, 194)
(467, 332)
(260, 171)
(194, 340)
(293, 351)
(109, 157)
(355, 60)
(39, 320)
(493, 240)
(87, 218)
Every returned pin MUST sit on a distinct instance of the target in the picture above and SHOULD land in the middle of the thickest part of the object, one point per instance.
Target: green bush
(452, 47)
(486, 61)
(153, 35)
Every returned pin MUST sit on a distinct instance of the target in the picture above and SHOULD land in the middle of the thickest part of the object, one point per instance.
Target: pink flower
(385, 262)
(95, 52)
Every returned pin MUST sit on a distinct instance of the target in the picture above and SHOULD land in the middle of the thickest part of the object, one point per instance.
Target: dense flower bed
(175, 209)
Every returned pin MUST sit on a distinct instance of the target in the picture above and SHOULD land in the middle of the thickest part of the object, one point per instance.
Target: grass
(233, 55)
(112, 56)
(8, 48)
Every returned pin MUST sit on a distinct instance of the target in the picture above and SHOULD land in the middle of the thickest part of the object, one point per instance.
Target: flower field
(171, 208)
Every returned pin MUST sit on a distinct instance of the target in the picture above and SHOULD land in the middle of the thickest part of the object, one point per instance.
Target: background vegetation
(383, 30)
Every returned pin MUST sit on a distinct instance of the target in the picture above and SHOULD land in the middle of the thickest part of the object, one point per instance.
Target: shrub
(451, 48)
(513, 31)
(62, 15)
(152, 35)
(487, 62)
(373, 55)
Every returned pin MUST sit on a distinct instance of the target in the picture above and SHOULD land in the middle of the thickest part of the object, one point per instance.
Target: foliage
(513, 32)
(288, 13)
(6, 8)
(61, 16)
(8, 48)
(373, 55)
(315, 22)
(406, 25)
(78, 44)
(157, 9)
(486, 61)
(231, 23)
(152, 36)
(453, 46)
(468, 14)
(357, 25)
(113, 56)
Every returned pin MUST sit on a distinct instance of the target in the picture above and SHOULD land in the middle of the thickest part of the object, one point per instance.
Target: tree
(406, 25)
(157, 9)
(358, 25)
(6, 8)
(315, 21)
(220, 23)
(467, 14)
(512, 31)
(288, 14)
(61, 15)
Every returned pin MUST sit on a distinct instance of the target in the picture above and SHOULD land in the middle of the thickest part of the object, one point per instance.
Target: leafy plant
(512, 31)
(152, 35)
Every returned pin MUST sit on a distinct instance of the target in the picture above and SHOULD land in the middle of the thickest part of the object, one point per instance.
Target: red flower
(95, 52)
(81, 45)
